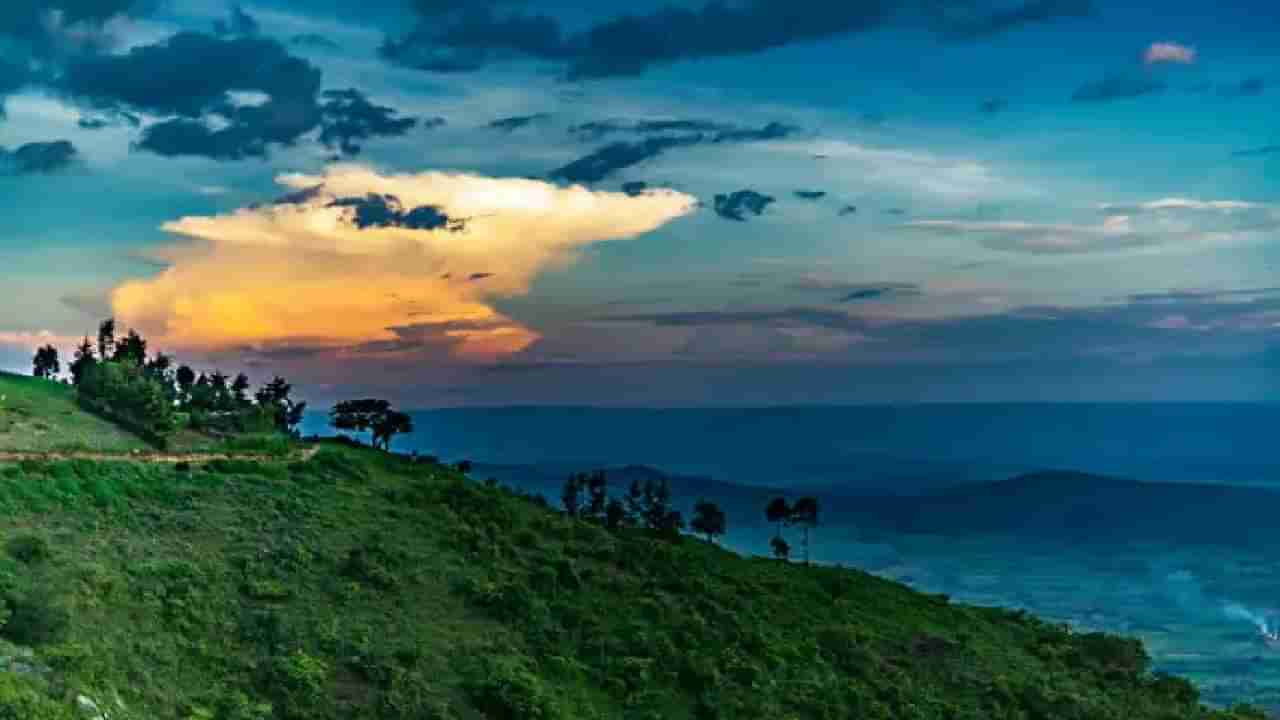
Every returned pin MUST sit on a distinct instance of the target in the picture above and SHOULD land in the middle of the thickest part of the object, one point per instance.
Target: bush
(29, 549)
(505, 687)
(299, 681)
(35, 618)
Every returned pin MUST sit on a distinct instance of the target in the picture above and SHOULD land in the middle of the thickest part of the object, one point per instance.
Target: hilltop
(41, 416)
(359, 584)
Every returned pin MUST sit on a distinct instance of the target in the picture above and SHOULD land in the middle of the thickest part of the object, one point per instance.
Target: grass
(42, 416)
(360, 585)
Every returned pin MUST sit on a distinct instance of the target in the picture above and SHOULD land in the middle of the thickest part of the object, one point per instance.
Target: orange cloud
(306, 273)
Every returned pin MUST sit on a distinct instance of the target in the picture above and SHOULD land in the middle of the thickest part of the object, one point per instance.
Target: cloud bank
(357, 262)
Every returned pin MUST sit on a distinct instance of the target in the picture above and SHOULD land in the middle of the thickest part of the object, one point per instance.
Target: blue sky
(870, 202)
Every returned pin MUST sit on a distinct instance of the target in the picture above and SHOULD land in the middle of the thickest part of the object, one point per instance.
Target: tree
(571, 495)
(708, 519)
(240, 390)
(276, 397)
(373, 416)
(615, 514)
(805, 514)
(635, 503)
(186, 378)
(778, 511)
(84, 359)
(597, 494)
(107, 339)
(781, 548)
(657, 504)
(45, 363)
(132, 349)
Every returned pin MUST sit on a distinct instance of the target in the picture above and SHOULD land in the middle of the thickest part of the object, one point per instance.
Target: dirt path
(151, 457)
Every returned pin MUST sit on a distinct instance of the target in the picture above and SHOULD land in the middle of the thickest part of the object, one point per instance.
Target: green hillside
(42, 416)
(362, 585)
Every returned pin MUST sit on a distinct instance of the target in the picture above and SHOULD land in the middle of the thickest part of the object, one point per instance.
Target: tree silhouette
(45, 364)
(373, 416)
(778, 511)
(781, 548)
(805, 514)
(275, 396)
(708, 519)
(186, 378)
(571, 495)
(597, 494)
(132, 349)
(107, 339)
(84, 359)
(615, 514)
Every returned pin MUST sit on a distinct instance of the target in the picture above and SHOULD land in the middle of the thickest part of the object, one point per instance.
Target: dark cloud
(968, 21)
(735, 205)
(810, 194)
(1249, 87)
(349, 118)
(511, 124)
(623, 154)
(895, 211)
(848, 210)
(1118, 87)
(991, 106)
(600, 128)
(38, 158)
(458, 37)
(314, 41)
(1262, 151)
(240, 23)
(479, 276)
(189, 78)
(93, 123)
(634, 188)
(615, 156)
(879, 291)
(385, 211)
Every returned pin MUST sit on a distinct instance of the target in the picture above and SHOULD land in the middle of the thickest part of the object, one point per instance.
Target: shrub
(29, 549)
(35, 618)
(505, 687)
(299, 681)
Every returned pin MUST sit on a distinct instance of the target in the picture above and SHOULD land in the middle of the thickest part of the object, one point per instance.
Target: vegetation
(361, 584)
(119, 380)
(41, 416)
(372, 416)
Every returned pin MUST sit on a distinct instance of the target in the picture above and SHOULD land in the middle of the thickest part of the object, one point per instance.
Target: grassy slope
(42, 416)
(359, 585)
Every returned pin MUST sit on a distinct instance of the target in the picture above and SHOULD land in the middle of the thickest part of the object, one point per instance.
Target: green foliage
(368, 586)
(128, 395)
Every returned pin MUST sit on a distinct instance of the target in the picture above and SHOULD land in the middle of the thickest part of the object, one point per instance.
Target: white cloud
(1169, 52)
(1178, 203)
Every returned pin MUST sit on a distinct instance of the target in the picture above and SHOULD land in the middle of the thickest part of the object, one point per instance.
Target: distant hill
(1084, 508)
(1051, 505)
(42, 416)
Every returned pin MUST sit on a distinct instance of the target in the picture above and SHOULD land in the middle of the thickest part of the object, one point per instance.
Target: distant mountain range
(871, 449)
(1054, 505)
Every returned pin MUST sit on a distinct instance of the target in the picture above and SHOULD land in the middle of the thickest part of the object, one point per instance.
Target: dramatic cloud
(349, 117)
(458, 37)
(37, 158)
(1169, 52)
(357, 262)
(735, 205)
(1118, 87)
(191, 78)
(616, 156)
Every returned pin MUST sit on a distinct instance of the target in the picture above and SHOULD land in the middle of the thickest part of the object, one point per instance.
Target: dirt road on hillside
(151, 457)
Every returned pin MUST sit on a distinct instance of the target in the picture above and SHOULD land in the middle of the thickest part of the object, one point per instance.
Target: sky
(753, 202)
